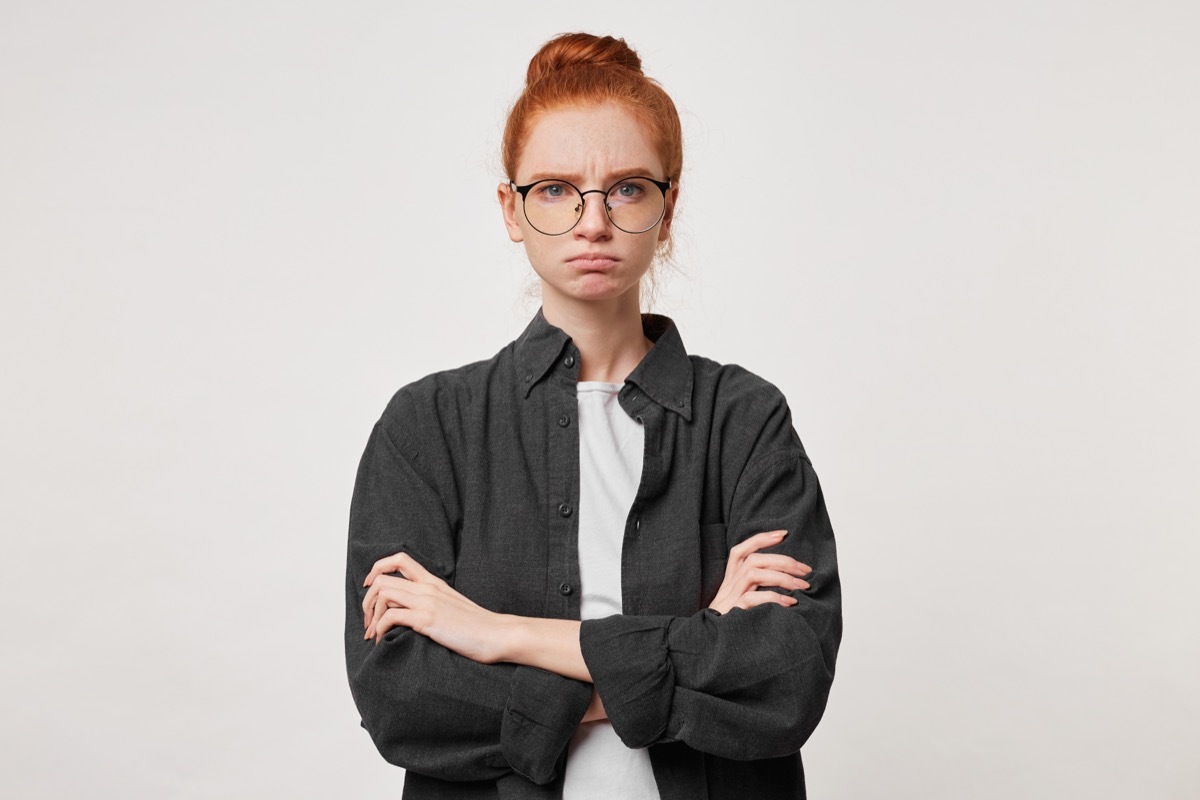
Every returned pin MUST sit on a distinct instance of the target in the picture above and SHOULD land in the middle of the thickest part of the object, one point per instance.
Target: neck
(608, 333)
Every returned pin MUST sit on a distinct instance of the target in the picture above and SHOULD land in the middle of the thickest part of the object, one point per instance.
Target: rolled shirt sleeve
(427, 708)
(751, 683)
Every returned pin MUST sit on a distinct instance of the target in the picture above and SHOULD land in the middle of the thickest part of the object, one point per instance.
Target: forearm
(669, 679)
(550, 644)
(438, 713)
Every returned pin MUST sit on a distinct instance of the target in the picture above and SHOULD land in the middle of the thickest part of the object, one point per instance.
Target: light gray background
(961, 237)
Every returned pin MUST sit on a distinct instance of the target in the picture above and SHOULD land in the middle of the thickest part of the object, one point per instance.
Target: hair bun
(581, 49)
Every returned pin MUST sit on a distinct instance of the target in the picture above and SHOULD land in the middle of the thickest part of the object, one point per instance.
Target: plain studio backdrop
(961, 237)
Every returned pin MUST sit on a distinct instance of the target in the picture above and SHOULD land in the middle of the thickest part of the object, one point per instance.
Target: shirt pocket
(714, 555)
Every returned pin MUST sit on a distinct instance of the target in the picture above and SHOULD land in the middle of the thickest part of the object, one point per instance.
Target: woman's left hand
(428, 605)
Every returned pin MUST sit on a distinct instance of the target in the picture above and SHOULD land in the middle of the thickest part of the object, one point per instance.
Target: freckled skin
(593, 143)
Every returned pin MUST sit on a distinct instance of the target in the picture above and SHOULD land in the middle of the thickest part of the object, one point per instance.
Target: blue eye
(551, 191)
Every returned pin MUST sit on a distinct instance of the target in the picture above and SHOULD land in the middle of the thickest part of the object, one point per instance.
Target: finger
(770, 577)
(390, 597)
(369, 599)
(750, 599)
(748, 579)
(778, 561)
(392, 563)
(400, 562)
(384, 597)
(756, 542)
(415, 571)
(394, 617)
(369, 602)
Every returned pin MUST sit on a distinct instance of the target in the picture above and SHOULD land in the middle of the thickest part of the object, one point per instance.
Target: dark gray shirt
(474, 471)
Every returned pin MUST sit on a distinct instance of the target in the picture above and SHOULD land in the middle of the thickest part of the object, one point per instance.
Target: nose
(594, 224)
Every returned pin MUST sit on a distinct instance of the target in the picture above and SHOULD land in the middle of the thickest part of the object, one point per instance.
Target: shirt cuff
(542, 713)
(631, 668)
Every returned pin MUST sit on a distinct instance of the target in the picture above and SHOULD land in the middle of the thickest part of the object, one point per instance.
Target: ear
(508, 206)
(664, 230)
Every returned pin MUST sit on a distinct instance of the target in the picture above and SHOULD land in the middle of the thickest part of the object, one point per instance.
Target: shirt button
(564, 588)
(528, 377)
(639, 419)
(564, 509)
(569, 361)
(564, 421)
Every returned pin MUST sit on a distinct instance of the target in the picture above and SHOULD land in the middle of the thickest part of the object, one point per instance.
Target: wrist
(509, 633)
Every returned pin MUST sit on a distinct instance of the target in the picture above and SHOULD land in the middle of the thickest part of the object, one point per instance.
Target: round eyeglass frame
(663, 186)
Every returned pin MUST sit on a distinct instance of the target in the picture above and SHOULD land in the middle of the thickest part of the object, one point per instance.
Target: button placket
(562, 491)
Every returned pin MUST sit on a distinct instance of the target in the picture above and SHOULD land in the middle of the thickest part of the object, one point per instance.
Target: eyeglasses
(554, 206)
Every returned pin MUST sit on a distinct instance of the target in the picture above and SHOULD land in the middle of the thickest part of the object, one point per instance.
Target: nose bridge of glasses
(603, 199)
(597, 191)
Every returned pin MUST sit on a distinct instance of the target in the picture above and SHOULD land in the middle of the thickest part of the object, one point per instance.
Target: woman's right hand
(748, 569)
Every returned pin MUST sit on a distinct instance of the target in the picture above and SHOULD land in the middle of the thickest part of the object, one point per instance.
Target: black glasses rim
(663, 186)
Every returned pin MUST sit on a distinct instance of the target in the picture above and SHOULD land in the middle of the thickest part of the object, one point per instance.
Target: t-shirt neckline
(597, 386)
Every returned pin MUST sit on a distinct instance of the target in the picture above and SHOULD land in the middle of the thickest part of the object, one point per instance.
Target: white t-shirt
(611, 448)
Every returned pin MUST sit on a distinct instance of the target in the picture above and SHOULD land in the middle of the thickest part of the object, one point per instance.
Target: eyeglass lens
(635, 205)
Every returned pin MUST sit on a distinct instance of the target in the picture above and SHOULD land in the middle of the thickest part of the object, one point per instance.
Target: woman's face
(591, 148)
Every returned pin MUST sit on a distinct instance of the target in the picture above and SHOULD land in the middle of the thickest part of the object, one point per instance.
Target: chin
(586, 288)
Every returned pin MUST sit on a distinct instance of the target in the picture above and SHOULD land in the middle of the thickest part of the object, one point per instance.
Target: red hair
(581, 70)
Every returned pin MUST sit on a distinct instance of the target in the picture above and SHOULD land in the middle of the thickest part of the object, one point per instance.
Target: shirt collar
(664, 374)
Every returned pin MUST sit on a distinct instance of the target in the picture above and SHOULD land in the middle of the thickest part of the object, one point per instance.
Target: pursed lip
(593, 260)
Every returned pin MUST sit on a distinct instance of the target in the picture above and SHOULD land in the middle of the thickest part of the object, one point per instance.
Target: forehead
(593, 143)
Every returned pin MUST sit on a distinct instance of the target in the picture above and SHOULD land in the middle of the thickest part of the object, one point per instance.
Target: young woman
(592, 565)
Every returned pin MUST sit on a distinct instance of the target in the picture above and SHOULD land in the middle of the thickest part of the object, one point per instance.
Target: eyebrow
(575, 178)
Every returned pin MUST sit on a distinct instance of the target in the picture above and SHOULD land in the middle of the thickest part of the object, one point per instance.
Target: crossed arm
(427, 604)
(451, 690)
